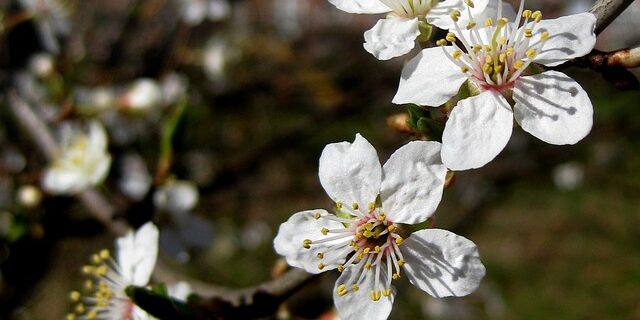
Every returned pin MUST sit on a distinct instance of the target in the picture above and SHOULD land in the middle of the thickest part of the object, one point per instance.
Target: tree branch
(606, 11)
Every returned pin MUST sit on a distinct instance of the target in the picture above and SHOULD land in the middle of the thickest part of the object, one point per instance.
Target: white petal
(100, 169)
(569, 37)
(429, 79)
(491, 11)
(360, 6)
(351, 172)
(391, 38)
(442, 263)
(137, 253)
(64, 180)
(553, 107)
(358, 304)
(302, 226)
(440, 15)
(97, 137)
(412, 183)
(477, 130)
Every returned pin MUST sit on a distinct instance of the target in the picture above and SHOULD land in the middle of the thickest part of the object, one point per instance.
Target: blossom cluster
(489, 71)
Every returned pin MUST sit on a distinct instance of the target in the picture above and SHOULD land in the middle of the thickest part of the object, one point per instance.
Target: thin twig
(606, 11)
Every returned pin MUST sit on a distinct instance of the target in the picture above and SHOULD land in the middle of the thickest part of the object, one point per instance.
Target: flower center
(495, 56)
(409, 8)
(369, 243)
(104, 296)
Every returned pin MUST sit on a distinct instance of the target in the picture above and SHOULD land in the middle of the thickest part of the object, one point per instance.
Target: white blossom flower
(176, 196)
(497, 60)
(136, 255)
(395, 35)
(368, 239)
(52, 20)
(82, 161)
(194, 12)
(142, 96)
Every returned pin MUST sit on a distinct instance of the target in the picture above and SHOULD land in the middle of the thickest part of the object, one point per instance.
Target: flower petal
(569, 37)
(553, 107)
(351, 172)
(429, 79)
(477, 130)
(302, 226)
(391, 38)
(358, 304)
(440, 17)
(413, 181)
(442, 263)
(360, 6)
(137, 253)
(62, 180)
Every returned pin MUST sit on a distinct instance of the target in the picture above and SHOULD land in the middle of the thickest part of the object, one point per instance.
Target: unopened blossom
(176, 196)
(142, 96)
(135, 259)
(194, 12)
(82, 160)
(395, 35)
(497, 60)
(369, 238)
(51, 19)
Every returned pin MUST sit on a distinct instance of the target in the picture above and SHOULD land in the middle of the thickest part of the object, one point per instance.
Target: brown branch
(94, 201)
(606, 11)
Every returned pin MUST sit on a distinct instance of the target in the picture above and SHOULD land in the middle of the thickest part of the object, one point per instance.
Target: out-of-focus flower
(218, 53)
(395, 35)
(42, 65)
(176, 196)
(568, 176)
(51, 19)
(82, 161)
(180, 290)
(367, 239)
(135, 179)
(174, 87)
(91, 101)
(142, 96)
(496, 61)
(194, 12)
(136, 255)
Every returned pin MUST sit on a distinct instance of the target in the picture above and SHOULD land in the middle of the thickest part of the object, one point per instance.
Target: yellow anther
(71, 316)
(375, 295)
(92, 315)
(395, 276)
(377, 249)
(79, 309)
(320, 255)
(88, 285)
(382, 217)
(399, 240)
(471, 25)
(95, 259)
(457, 54)
(324, 231)
(487, 48)
(451, 37)
(74, 296)
(391, 228)
(487, 68)
(510, 51)
(502, 57)
(528, 33)
(355, 206)
(102, 270)
(320, 265)
(306, 243)
(526, 14)
(355, 287)
(368, 266)
(342, 290)
(104, 254)
(441, 42)
(502, 41)
(367, 234)
(353, 243)
(87, 270)
(371, 206)
(488, 22)
(386, 292)
(360, 256)
(469, 3)
(401, 263)
(503, 22)
(359, 235)
(518, 64)
(464, 69)
(369, 226)
(536, 16)
(340, 268)
(498, 69)
(531, 53)
(544, 36)
(367, 250)
(488, 59)
(317, 215)
(339, 205)
(455, 15)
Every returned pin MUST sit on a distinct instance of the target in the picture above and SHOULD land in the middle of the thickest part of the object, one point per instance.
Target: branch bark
(606, 11)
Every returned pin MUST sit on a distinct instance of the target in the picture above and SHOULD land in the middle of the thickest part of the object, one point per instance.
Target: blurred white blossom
(42, 65)
(51, 19)
(135, 179)
(176, 196)
(568, 176)
(142, 96)
(194, 12)
(82, 161)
